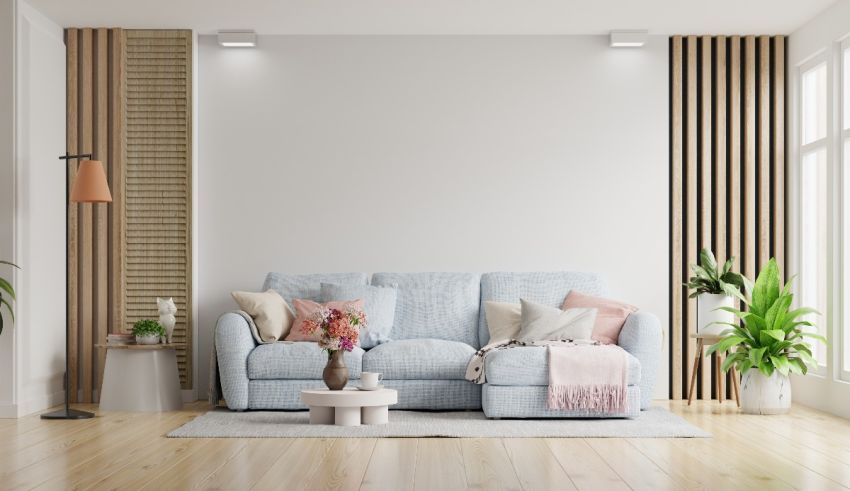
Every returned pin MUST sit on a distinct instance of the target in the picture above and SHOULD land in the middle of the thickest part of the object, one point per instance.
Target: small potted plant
(769, 345)
(713, 290)
(148, 331)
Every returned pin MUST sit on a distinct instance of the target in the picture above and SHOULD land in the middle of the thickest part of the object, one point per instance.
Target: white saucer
(379, 386)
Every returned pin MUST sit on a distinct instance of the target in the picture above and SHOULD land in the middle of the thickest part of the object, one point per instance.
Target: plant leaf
(766, 289)
(707, 260)
(725, 344)
(5, 286)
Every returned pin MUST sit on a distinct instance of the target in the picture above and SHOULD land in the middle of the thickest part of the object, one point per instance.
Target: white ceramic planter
(152, 339)
(765, 395)
(707, 315)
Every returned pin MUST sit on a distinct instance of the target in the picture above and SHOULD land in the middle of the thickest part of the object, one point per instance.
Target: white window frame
(825, 143)
(842, 311)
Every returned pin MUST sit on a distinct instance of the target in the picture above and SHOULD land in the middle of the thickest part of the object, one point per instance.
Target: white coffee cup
(370, 380)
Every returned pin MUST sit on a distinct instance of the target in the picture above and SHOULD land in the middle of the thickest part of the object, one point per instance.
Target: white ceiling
(441, 16)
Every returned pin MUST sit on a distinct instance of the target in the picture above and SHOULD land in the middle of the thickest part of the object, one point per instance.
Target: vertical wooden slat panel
(749, 162)
(691, 212)
(86, 223)
(764, 128)
(720, 196)
(71, 42)
(705, 170)
(727, 172)
(101, 252)
(779, 151)
(115, 145)
(677, 275)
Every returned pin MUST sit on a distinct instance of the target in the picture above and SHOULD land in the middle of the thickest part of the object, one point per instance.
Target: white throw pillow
(270, 312)
(503, 320)
(544, 323)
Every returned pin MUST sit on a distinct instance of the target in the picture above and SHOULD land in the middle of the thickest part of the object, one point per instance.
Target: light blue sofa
(438, 327)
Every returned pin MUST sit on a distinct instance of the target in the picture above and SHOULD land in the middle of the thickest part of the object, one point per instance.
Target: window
(815, 196)
(845, 201)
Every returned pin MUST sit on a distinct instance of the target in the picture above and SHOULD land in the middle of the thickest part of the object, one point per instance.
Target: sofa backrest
(435, 305)
(309, 286)
(548, 288)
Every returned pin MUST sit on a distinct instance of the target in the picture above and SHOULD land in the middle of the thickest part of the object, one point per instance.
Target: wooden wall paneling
(719, 154)
(691, 156)
(705, 172)
(734, 155)
(779, 150)
(101, 252)
(85, 223)
(763, 151)
(158, 179)
(71, 38)
(749, 158)
(677, 273)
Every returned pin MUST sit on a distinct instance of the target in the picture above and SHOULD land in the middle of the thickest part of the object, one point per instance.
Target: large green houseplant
(714, 287)
(769, 344)
(6, 293)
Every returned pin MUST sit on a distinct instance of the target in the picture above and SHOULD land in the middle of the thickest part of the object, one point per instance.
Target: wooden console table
(141, 377)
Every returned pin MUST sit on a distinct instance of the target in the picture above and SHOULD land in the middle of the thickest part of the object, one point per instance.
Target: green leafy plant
(147, 327)
(707, 278)
(6, 293)
(772, 335)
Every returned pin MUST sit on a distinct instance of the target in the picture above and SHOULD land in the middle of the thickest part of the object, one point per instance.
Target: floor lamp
(90, 186)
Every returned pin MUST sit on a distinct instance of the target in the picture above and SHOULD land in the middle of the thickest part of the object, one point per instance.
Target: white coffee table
(349, 407)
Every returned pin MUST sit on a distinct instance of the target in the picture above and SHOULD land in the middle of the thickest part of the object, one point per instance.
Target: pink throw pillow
(610, 316)
(304, 308)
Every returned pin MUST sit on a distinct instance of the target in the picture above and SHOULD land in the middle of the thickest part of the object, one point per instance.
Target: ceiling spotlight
(237, 39)
(628, 39)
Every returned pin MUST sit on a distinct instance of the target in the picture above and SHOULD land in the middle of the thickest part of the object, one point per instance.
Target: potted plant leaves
(6, 293)
(770, 344)
(714, 288)
(148, 331)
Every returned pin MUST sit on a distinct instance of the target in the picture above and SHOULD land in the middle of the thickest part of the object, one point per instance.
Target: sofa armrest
(233, 343)
(642, 337)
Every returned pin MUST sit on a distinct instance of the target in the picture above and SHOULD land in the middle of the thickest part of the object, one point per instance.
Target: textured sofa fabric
(529, 365)
(438, 326)
(301, 360)
(434, 305)
(419, 359)
(547, 288)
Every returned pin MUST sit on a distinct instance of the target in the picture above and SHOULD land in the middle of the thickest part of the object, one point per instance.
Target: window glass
(814, 104)
(813, 241)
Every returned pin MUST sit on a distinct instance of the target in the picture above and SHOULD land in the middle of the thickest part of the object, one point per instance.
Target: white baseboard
(33, 405)
(8, 411)
(189, 395)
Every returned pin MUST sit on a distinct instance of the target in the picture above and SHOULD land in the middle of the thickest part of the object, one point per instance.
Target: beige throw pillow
(503, 320)
(544, 323)
(269, 311)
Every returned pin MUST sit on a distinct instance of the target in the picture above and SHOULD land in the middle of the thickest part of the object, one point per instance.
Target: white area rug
(222, 423)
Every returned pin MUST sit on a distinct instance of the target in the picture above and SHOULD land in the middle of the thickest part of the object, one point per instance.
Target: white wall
(417, 153)
(40, 212)
(820, 36)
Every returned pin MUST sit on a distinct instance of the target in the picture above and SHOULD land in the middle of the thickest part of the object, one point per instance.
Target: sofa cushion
(378, 304)
(529, 365)
(435, 305)
(547, 288)
(303, 360)
(419, 359)
(309, 286)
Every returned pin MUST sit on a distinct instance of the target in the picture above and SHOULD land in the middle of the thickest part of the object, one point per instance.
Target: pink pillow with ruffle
(305, 308)
(610, 316)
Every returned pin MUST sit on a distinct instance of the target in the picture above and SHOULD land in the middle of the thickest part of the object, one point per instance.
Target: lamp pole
(67, 412)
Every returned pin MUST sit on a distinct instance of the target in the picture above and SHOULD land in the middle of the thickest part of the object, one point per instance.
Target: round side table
(140, 377)
(349, 407)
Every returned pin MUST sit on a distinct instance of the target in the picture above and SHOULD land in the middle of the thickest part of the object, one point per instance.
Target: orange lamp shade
(90, 186)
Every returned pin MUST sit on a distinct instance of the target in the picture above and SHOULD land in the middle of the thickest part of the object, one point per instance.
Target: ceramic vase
(151, 339)
(707, 315)
(765, 395)
(335, 374)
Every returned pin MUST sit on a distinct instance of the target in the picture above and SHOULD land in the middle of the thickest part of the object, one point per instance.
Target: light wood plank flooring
(805, 449)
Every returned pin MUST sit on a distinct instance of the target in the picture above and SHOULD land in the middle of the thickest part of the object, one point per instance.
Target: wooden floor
(806, 449)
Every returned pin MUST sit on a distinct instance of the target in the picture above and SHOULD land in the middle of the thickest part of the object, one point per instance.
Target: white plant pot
(765, 395)
(707, 313)
(152, 339)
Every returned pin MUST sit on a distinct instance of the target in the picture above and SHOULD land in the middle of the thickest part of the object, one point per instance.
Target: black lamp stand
(67, 412)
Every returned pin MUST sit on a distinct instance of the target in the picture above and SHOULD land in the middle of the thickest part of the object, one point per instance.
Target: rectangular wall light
(237, 39)
(628, 39)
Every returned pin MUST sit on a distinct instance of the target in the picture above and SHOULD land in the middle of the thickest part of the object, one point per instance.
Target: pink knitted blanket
(588, 378)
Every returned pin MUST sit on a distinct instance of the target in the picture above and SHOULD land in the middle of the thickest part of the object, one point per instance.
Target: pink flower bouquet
(339, 329)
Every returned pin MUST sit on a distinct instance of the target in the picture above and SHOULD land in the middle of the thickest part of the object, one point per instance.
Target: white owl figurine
(167, 311)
